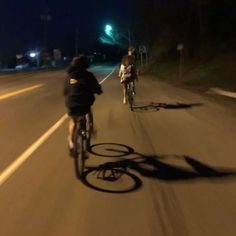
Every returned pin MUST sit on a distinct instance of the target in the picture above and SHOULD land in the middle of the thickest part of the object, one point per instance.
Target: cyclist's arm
(65, 87)
(121, 70)
(95, 86)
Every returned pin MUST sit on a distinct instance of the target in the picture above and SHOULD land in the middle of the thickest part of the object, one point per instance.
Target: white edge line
(19, 91)
(108, 75)
(224, 92)
(26, 154)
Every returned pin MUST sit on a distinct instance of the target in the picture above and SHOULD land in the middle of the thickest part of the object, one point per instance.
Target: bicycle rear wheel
(118, 181)
(89, 130)
(130, 96)
(79, 160)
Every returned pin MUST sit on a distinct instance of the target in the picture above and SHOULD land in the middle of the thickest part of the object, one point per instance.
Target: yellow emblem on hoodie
(73, 81)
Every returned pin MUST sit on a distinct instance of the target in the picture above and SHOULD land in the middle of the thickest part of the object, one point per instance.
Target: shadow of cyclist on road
(155, 106)
(154, 166)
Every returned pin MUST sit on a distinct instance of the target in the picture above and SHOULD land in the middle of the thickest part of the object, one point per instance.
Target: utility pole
(45, 18)
(201, 11)
(129, 37)
(180, 48)
(76, 42)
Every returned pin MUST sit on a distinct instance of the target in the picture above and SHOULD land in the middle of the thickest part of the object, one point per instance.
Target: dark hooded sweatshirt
(80, 87)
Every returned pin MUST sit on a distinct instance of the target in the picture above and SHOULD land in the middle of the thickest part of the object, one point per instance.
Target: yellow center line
(20, 91)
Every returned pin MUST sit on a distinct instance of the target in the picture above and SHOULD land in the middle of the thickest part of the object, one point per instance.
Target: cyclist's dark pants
(78, 111)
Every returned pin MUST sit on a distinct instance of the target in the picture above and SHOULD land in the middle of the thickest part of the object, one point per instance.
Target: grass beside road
(218, 72)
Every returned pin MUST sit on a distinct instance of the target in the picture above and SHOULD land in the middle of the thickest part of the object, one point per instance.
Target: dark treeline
(201, 25)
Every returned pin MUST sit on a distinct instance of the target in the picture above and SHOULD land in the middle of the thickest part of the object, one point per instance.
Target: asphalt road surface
(178, 148)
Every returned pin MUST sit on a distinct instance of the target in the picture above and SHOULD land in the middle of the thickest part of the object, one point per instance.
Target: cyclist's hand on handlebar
(100, 92)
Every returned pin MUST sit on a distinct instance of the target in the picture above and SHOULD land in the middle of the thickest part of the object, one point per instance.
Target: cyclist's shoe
(71, 147)
(72, 152)
(124, 101)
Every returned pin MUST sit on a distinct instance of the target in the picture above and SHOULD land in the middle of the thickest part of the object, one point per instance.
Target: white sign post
(143, 50)
(180, 48)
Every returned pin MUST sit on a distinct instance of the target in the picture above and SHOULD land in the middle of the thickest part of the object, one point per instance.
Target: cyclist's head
(81, 62)
(131, 50)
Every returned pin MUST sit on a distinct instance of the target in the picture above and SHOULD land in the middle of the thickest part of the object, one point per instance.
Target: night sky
(22, 29)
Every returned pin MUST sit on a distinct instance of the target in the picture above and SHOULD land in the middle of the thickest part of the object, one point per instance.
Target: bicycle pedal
(110, 178)
(72, 153)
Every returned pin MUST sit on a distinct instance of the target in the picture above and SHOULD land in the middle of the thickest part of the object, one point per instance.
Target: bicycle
(111, 177)
(130, 94)
(81, 140)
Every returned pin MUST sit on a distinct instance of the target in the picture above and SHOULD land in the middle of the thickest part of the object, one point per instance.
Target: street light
(32, 54)
(113, 35)
(36, 56)
(108, 30)
(118, 34)
(109, 36)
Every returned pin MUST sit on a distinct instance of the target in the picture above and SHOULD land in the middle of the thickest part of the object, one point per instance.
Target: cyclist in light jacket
(128, 71)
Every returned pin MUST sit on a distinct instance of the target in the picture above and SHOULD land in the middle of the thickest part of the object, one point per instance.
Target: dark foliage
(199, 24)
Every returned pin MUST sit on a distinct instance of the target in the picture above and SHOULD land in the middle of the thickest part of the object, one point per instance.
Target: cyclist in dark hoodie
(79, 89)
